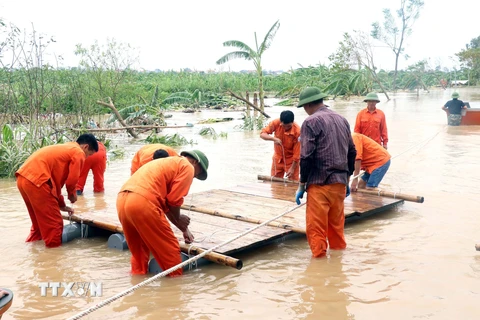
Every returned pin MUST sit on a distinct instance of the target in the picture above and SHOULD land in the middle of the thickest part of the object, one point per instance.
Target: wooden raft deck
(261, 201)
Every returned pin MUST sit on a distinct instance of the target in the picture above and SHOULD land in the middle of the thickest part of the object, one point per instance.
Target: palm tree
(248, 53)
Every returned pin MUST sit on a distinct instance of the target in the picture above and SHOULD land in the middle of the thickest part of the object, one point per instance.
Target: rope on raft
(425, 142)
(206, 237)
(174, 268)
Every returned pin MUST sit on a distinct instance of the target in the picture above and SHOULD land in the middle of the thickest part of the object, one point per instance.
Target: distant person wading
(454, 108)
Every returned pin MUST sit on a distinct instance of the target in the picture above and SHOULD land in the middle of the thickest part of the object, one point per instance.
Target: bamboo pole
(213, 256)
(94, 223)
(276, 179)
(394, 195)
(186, 248)
(280, 225)
(388, 194)
(126, 128)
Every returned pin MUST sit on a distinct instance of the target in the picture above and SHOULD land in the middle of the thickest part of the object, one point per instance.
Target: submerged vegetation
(17, 143)
(174, 140)
(210, 132)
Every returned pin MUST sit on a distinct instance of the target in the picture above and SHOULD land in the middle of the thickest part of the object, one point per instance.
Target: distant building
(459, 82)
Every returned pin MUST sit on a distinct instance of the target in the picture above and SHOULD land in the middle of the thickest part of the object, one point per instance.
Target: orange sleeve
(357, 128)
(383, 130)
(135, 163)
(271, 127)
(74, 168)
(180, 185)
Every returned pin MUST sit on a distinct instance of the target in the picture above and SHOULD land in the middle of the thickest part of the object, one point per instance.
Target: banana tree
(248, 53)
(195, 99)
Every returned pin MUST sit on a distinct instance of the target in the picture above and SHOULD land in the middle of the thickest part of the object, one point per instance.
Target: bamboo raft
(220, 214)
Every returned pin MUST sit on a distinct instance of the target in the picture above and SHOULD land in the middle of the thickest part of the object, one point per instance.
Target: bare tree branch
(249, 103)
(117, 114)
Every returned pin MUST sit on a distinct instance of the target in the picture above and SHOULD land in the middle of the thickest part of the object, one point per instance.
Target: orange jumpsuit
(325, 218)
(371, 154)
(145, 154)
(290, 150)
(141, 205)
(373, 125)
(97, 163)
(40, 180)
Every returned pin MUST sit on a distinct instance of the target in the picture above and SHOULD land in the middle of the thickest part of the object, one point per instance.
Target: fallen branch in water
(249, 103)
(126, 128)
(117, 114)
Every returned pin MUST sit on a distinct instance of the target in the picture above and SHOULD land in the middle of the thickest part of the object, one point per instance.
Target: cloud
(181, 34)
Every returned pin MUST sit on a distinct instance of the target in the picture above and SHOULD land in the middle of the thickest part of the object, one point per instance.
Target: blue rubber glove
(300, 192)
(348, 191)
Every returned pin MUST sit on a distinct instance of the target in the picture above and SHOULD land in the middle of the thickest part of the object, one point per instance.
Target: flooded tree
(413, 78)
(348, 77)
(361, 45)
(470, 59)
(247, 53)
(29, 86)
(394, 31)
(109, 65)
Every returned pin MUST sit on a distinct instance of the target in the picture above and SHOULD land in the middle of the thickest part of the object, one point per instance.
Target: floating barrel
(154, 268)
(71, 231)
(117, 241)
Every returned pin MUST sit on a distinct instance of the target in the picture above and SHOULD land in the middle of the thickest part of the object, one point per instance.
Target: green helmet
(372, 96)
(310, 94)
(201, 158)
(455, 95)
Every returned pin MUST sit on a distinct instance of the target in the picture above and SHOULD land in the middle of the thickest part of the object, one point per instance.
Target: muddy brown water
(416, 261)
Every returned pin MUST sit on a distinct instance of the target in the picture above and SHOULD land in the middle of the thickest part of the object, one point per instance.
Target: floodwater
(416, 261)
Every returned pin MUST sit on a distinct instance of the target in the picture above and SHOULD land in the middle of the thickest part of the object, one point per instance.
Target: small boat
(470, 116)
(6, 299)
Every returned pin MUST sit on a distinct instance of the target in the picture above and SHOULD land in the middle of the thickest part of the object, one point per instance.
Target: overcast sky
(189, 34)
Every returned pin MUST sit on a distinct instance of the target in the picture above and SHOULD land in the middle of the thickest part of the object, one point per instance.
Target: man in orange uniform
(145, 154)
(286, 155)
(97, 163)
(152, 194)
(41, 179)
(326, 161)
(372, 157)
(371, 121)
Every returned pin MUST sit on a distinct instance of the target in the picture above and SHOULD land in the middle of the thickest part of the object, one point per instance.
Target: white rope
(174, 268)
(415, 145)
(426, 141)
